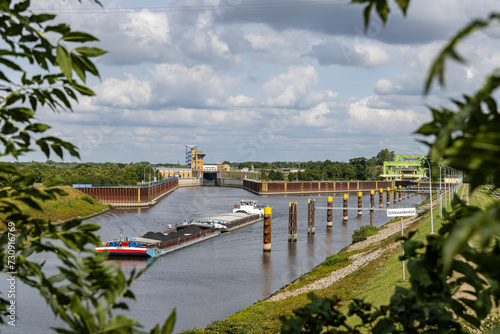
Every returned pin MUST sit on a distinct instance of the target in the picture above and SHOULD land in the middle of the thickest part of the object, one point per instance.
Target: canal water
(213, 279)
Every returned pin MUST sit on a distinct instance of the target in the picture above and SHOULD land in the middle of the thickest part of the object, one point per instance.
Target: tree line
(356, 169)
(110, 173)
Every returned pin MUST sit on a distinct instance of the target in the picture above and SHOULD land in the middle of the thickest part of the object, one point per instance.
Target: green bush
(89, 199)
(366, 231)
(358, 238)
(337, 258)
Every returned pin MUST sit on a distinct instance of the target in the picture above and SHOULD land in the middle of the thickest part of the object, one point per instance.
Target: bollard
(395, 194)
(372, 200)
(295, 222)
(381, 200)
(310, 216)
(267, 229)
(329, 215)
(360, 203)
(388, 196)
(346, 216)
(400, 193)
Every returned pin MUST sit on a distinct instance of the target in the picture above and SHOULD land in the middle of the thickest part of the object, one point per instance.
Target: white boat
(249, 206)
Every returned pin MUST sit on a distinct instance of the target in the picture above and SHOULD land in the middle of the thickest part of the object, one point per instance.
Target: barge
(155, 244)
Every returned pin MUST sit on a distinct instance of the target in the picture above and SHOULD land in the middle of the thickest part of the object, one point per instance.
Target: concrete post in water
(388, 195)
(400, 193)
(329, 215)
(310, 216)
(381, 200)
(395, 194)
(346, 215)
(267, 229)
(360, 203)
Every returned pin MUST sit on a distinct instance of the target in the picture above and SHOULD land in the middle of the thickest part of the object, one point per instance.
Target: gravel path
(359, 260)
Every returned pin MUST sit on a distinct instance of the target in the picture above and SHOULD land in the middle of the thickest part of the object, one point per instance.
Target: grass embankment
(481, 197)
(74, 205)
(374, 281)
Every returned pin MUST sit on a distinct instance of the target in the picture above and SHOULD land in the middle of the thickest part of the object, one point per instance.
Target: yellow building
(195, 161)
(175, 172)
(194, 158)
(223, 168)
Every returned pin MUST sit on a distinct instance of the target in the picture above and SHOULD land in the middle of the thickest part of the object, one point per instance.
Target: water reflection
(266, 274)
(292, 261)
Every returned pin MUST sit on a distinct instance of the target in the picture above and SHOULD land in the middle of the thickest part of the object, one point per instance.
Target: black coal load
(172, 235)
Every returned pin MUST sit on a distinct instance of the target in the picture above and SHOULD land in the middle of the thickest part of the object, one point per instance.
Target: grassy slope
(65, 207)
(374, 282)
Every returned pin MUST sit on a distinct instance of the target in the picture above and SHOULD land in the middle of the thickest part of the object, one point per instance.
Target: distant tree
(359, 165)
(276, 176)
(385, 155)
(349, 172)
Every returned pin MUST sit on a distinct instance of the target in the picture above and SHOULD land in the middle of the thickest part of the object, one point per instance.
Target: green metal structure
(407, 167)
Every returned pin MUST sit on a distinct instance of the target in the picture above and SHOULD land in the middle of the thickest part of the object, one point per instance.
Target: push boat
(249, 206)
(187, 233)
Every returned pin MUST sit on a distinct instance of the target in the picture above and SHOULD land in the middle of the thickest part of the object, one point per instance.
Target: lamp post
(440, 191)
(449, 187)
(430, 194)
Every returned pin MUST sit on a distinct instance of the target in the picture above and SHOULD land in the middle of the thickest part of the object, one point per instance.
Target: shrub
(358, 238)
(366, 231)
(89, 199)
(337, 258)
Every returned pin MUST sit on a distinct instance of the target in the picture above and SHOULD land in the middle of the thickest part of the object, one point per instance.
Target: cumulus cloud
(364, 119)
(295, 89)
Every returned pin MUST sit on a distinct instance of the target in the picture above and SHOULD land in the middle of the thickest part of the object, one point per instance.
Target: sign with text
(401, 212)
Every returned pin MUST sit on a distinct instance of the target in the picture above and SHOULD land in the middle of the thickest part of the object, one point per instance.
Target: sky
(255, 80)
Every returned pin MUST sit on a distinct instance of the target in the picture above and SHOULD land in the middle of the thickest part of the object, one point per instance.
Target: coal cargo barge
(155, 244)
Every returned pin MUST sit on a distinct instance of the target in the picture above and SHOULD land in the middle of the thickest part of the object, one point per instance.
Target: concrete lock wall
(268, 188)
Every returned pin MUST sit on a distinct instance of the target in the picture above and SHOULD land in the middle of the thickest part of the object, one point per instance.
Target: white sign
(401, 212)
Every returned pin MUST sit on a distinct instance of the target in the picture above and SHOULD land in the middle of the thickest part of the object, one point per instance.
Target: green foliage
(89, 199)
(358, 238)
(364, 232)
(86, 293)
(466, 139)
(336, 259)
(358, 168)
